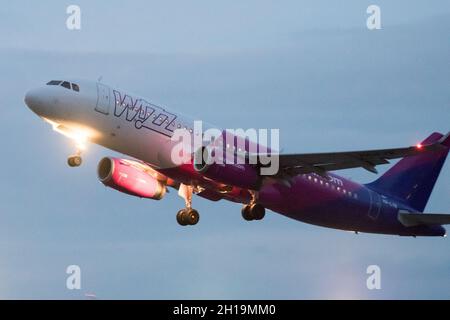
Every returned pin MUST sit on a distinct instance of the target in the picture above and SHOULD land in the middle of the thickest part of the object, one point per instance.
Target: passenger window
(75, 87)
(66, 85)
(54, 83)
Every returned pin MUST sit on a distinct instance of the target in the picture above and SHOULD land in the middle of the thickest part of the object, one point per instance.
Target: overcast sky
(310, 68)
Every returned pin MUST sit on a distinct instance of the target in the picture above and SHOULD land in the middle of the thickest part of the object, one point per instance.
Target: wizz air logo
(143, 114)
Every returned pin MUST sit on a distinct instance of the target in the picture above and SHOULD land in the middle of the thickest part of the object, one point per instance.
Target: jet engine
(121, 175)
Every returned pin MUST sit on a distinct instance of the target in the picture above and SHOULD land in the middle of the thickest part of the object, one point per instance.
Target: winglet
(445, 140)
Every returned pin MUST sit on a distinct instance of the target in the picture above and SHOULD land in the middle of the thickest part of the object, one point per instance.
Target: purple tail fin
(412, 179)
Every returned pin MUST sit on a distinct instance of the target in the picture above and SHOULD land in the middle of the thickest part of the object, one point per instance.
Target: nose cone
(34, 101)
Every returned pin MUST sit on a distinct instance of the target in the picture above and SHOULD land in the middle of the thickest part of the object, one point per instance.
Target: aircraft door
(375, 205)
(103, 98)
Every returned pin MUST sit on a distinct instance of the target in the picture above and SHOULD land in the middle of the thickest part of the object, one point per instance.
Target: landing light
(419, 146)
(79, 136)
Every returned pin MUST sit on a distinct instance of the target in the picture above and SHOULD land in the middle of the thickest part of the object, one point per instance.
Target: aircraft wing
(320, 163)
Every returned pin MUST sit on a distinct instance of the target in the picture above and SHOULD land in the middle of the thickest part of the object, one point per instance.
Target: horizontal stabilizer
(416, 219)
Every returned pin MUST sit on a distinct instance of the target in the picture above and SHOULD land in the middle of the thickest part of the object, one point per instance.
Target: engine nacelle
(120, 175)
(240, 175)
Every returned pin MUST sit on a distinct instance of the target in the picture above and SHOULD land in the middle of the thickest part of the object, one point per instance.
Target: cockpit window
(75, 87)
(54, 83)
(66, 85)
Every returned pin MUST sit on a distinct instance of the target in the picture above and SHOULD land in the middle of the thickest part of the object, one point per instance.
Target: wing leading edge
(320, 163)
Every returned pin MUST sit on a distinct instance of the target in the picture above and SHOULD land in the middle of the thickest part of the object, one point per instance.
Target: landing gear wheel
(192, 217)
(258, 211)
(74, 161)
(187, 217)
(180, 218)
(253, 212)
(246, 214)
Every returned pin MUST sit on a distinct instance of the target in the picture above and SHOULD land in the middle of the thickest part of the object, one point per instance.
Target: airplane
(304, 188)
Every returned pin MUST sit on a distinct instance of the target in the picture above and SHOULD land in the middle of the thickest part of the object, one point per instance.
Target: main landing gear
(253, 210)
(187, 216)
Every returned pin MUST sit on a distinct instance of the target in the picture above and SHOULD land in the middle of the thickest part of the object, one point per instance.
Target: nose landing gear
(75, 160)
(187, 216)
(78, 137)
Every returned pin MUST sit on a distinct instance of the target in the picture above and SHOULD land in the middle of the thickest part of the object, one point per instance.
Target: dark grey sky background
(310, 68)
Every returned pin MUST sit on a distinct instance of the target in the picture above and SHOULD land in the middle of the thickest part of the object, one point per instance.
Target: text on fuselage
(143, 114)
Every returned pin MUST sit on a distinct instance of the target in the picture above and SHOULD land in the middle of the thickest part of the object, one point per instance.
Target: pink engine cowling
(120, 175)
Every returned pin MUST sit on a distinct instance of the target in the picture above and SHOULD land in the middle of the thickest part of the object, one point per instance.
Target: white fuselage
(110, 117)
